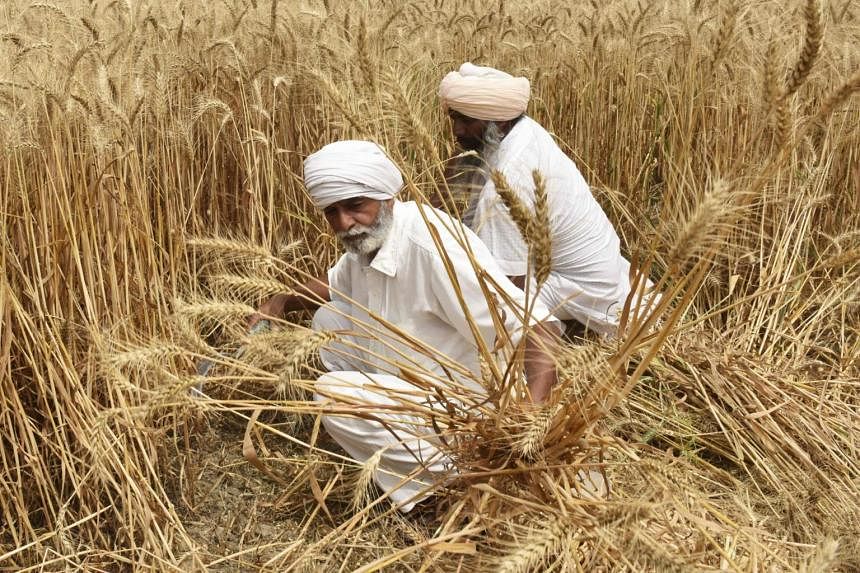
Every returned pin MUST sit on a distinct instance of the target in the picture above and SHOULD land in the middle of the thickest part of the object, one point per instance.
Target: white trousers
(409, 462)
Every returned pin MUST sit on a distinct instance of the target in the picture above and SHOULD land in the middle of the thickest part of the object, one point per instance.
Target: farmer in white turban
(589, 279)
(399, 316)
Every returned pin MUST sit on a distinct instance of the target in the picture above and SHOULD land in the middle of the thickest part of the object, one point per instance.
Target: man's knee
(331, 385)
(331, 316)
(343, 354)
(325, 386)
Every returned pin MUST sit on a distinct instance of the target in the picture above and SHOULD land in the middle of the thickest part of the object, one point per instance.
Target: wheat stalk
(544, 539)
(811, 47)
(361, 494)
(541, 231)
(772, 90)
(696, 231)
(364, 57)
(298, 357)
(129, 127)
(418, 131)
(839, 97)
(724, 33)
(219, 248)
(529, 442)
(342, 103)
(520, 214)
(245, 286)
(154, 354)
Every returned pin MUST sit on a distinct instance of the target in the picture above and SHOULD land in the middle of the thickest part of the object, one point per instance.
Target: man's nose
(342, 221)
(458, 128)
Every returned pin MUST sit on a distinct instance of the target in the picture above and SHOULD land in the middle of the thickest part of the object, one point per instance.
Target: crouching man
(399, 306)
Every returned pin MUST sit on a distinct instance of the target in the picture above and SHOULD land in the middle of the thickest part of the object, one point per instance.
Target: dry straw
(544, 539)
(723, 416)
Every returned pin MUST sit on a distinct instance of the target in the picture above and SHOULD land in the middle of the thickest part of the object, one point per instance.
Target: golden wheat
(138, 138)
(545, 538)
(811, 47)
(540, 231)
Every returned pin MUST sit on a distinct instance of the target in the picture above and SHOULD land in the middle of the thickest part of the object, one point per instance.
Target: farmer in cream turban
(485, 93)
(589, 279)
(391, 301)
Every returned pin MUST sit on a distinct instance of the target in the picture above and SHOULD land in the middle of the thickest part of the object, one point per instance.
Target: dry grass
(150, 159)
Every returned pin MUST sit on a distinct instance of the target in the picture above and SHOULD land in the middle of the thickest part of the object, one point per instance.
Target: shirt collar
(386, 258)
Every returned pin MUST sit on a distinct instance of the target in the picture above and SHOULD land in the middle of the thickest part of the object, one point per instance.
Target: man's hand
(272, 308)
(308, 296)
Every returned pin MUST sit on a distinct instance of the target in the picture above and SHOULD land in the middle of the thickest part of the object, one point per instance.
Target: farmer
(589, 279)
(394, 279)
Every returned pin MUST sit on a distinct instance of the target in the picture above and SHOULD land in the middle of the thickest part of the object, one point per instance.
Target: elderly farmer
(589, 279)
(393, 278)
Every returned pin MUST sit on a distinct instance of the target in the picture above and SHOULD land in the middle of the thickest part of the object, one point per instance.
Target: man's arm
(539, 365)
(519, 281)
(308, 296)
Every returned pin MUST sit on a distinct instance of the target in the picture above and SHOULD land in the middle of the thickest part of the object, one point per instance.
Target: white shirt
(589, 278)
(407, 285)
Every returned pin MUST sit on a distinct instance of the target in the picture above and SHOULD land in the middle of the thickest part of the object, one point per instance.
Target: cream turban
(347, 169)
(484, 93)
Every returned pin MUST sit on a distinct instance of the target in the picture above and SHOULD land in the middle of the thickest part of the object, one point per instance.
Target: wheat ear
(540, 231)
(811, 48)
(520, 214)
(838, 97)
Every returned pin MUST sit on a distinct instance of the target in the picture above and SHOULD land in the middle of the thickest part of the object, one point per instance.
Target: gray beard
(492, 139)
(364, 240)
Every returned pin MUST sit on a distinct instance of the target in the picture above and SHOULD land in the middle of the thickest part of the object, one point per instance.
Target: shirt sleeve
(485, 314)
(447, 291)
(496, 228)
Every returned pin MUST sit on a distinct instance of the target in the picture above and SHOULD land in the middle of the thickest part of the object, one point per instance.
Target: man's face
(360, 223)
(468, 131)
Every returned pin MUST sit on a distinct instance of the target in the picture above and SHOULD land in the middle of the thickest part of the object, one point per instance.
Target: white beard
(367, 239)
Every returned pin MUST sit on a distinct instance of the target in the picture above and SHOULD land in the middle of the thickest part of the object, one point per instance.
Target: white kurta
(407, 286)
(589, 280)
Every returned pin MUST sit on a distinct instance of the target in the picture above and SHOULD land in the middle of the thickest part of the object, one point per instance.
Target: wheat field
(150, 157)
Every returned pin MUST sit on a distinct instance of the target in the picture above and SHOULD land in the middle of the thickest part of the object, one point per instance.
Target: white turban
(484, 93)
(347, 169)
